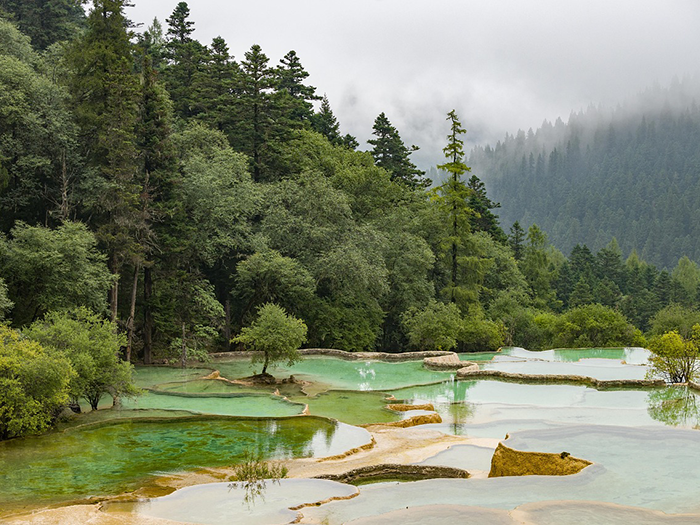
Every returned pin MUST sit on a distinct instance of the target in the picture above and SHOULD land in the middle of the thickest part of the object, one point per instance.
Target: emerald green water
(114, 458)
(260, 405)
(354, 408)
(339, 374)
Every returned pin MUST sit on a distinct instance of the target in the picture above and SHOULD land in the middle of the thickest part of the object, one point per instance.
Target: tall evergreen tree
(325, 122)
(483, 219)
(185, 59)
(516, 240)
(290, 81)
(389, 152)
(106, 93)
(465, 268)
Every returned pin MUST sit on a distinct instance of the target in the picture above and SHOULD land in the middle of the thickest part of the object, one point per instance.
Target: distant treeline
(632, 173)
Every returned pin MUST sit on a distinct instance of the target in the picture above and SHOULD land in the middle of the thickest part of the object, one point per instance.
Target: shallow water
(339, 374)
(595, 368)
(216, 503)
(650, 468)
(631, 355)
(110, 459)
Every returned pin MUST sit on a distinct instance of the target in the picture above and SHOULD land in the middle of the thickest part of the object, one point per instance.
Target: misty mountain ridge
(630, 172)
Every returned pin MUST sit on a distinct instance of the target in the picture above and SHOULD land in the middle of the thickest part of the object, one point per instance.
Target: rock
(509, 462)
(449, 361)
(396, 471)
(423, 419)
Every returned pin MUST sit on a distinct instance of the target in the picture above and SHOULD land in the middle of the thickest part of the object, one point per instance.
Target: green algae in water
(340, 374)
(239, 405)
(110, 459)
(150, 376)
(354, 408)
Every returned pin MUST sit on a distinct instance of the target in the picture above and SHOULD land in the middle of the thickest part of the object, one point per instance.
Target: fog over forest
(503, 66)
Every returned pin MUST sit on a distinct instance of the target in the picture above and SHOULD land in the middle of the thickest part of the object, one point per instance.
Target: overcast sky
(503, 65)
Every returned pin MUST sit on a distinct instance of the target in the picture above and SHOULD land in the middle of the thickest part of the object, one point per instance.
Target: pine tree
(389, 152)
(185, 59)
(257, 83)
(465, 269)
(217, 87)
(106, 93)
(484, 220)
(290, 81)
(516, 240)
(325, 123)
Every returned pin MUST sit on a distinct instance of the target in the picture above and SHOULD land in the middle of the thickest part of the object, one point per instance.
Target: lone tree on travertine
(275, 334)
(674, 357)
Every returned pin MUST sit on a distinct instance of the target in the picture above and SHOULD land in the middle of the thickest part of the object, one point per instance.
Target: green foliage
(91, 344)
(675, 318)
(5, 303)
(629, 173)
(275, 334)
(478, 334)
(674, 357)
(53, 270)
(435, 327)
(674, 406)
(269, 277)
(37, 137)
(46, 22)
(594, 325)
(33, 385)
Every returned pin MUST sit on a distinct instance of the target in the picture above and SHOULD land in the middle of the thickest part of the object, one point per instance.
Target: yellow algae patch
(509, 462)
(400, 407)
(423, 419)
(214, 375)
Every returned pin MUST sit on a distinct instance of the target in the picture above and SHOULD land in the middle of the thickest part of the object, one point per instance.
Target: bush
(594, 325)
(91, 344)
(674, 317)
(435, 327)
(478, 334)
(33, 385)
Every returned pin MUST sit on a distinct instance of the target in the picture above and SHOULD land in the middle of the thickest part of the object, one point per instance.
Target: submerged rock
(392, 471)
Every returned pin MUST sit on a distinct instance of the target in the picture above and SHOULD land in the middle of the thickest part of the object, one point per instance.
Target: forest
(156, 193)
(630, 172)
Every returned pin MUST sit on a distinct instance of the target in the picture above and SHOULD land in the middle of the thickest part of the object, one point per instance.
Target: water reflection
(675, 406)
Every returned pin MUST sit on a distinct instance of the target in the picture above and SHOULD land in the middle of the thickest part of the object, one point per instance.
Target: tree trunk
(227, 323)
(183, 355)
(132, 313)
(147, 315)
(267, 360)
(114, 293)
(64, 209)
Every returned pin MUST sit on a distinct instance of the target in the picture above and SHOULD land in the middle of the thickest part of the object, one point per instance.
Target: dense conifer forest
(632, 173)
(171, 189)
